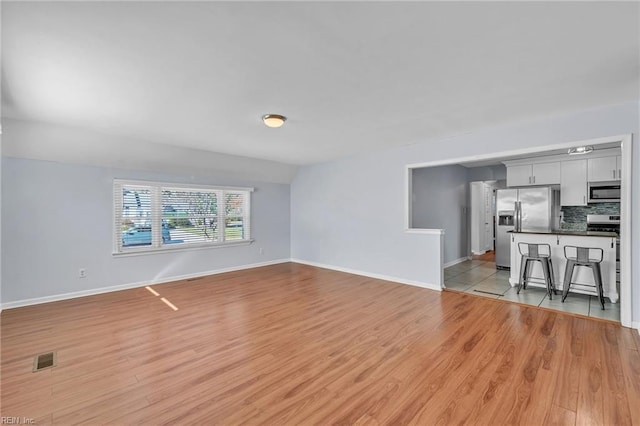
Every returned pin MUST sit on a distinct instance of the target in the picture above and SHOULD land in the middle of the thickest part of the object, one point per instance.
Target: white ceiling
(351, 76)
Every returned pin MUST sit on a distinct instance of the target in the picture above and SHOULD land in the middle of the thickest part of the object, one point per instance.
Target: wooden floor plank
(565, 392)
(591, 396)
(295, 344)
(462, 405)
(631, 371)
(559, 416)
(616, 404)
(520, 396)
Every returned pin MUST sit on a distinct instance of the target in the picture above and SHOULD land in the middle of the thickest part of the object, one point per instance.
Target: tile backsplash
(575, 217)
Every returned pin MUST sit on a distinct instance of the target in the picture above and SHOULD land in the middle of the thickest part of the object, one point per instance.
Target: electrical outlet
(261, 250)
(82, 273)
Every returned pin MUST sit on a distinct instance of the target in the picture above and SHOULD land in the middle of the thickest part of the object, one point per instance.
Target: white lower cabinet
(582, 274)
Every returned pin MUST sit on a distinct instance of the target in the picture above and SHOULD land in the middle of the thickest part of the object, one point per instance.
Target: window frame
(156, 216)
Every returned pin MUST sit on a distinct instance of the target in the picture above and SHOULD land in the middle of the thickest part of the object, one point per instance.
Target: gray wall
(498, 172)
(351, 213)
(57, 218)
(440, 201)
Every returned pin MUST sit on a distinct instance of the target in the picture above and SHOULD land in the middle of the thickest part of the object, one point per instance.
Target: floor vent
(43, 361)
(194, 278)
(488, 292)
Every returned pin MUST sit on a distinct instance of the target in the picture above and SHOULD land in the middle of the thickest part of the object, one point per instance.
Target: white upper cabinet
(619, 164)
(573, 185)
(604, 169)
(519, 175)
(572, 173)
(546, 173)
(533, 174)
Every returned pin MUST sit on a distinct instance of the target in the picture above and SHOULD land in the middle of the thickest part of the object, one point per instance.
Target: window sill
(169, 249)
(424, 231)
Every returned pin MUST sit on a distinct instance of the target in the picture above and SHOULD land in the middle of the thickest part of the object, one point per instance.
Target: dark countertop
(575, 233)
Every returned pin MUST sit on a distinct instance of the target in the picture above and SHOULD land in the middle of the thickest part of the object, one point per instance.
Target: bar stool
(532, 253)
(583, 257)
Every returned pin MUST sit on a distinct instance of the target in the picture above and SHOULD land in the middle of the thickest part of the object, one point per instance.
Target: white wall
(440, 197)
(351, 213)
(74, 145)
(0, 221)
(57, 218)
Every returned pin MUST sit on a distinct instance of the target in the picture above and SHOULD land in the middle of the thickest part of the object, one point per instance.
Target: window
(155, 216)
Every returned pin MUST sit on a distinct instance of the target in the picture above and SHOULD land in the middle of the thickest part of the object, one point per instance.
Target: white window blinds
(154, 216)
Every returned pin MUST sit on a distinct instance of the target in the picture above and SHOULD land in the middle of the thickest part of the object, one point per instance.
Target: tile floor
(481, 278)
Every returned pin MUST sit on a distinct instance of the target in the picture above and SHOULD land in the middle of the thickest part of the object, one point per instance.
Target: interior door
(488, 218)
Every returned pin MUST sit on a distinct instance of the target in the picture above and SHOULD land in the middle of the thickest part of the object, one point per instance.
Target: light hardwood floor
(294, 344)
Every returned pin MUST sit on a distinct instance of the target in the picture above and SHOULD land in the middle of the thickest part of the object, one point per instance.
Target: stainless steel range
(603, 222)
(607, 223)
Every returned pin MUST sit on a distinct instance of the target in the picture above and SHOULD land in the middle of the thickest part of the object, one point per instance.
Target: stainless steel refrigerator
(524, 209)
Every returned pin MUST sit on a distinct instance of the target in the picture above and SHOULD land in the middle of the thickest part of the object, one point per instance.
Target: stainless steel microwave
(604, 193)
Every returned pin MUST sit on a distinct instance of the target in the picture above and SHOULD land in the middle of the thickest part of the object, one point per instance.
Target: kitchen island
(557, 240)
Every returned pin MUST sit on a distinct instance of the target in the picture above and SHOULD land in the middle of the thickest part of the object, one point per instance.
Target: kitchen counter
(576, 233)
(557, 240)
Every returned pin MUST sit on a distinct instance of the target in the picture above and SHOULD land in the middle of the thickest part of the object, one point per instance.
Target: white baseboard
(478, 253)
(370, 275)
(91, 292)
(73, 295)
(455, 262)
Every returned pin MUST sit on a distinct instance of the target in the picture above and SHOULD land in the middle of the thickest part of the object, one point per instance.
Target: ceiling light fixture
(273, 120)
(580, 150)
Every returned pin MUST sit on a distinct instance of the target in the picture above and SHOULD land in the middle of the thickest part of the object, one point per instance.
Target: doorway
(483, 216)
(624, 142)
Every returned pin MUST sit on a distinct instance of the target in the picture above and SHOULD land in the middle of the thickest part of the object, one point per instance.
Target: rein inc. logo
(16, 421)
